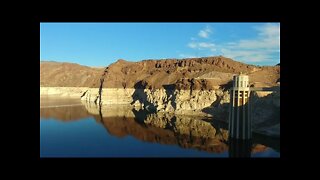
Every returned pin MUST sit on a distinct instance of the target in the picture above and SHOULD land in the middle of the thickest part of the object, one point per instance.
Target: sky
(100, 44)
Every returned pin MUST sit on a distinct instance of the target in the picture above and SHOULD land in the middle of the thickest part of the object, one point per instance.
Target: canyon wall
(180, 86)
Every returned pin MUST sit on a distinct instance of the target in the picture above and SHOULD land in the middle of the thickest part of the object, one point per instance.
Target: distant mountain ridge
(62, 74)
(205, 71)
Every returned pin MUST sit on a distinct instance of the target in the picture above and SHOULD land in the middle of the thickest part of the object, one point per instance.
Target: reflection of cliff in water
(185, 131)
(185, 134)
(68, 113)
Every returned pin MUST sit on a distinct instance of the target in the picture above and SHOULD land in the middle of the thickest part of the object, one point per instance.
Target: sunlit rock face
(184, 86)
(159, 100)
(108, 96)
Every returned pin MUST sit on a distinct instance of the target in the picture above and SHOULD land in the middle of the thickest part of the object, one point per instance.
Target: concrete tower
(240, 110)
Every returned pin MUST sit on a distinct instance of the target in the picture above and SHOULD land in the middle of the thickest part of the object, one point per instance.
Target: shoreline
(160, 101)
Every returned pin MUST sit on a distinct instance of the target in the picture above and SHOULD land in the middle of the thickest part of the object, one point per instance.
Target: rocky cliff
(171, 85)
(157, 74)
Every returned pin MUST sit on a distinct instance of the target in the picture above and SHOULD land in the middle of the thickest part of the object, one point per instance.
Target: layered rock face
(159, 100)
(172, 85)
(109, 96)
(201, 72)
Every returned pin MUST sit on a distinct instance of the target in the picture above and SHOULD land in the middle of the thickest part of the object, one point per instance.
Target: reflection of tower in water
(240, 148)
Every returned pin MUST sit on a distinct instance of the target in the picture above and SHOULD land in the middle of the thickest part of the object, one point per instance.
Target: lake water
(69, 128)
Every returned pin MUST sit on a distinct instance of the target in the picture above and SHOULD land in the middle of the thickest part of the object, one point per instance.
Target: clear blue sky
(100, 44)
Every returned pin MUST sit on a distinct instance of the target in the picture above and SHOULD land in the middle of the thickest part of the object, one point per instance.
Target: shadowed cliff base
(265, 112)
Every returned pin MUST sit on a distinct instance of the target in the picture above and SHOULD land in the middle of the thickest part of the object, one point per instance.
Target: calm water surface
(70, 129)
